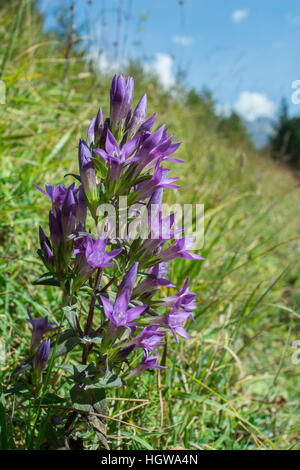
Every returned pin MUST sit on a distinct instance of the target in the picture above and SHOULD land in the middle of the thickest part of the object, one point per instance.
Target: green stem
(90, 317)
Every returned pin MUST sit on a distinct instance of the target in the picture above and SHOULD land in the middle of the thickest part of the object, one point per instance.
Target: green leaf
(23, 367)
(51, 398)
(100, 168)
(66, 342)
(71, 316)
(51, 281)
(85, 399)
(80, 373)
(109, 382)
(89, 340)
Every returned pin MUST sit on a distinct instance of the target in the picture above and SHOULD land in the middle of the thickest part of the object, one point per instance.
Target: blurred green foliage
(285, 143)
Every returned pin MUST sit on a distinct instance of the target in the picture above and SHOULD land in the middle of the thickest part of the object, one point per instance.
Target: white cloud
(102, 62)
(163, 68)
(252, 105)
(239, 15)
(183, 40)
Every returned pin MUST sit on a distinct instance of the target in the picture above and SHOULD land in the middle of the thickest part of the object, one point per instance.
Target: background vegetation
(234, 385)
(285, 143)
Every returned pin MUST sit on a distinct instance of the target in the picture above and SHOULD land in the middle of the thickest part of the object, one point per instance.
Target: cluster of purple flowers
(121, 157)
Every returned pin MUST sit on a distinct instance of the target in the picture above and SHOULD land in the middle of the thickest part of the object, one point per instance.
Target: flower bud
(121, 93)
(39, 327)
(41, 357)
(68, 214)
(128, 281)
(47, 254)
(95, 129)
(138, 118)
(87, 172)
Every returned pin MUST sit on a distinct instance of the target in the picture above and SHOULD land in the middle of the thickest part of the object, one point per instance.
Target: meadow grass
(233, 386)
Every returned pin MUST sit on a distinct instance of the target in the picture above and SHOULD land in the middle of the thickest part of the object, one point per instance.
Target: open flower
(174, 321)
(155, 148)
(180, 249)
(115, 156)
(149, 338)
(91, 255)
(57, 193)
(148, 362)
(184, 299)
(119, 314)
(158, 180)
(155, 278)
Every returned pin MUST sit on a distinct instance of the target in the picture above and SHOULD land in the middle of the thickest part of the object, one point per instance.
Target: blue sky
(245, 52)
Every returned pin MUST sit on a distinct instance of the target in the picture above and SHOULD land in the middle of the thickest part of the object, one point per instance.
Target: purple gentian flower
(95, 253)
(40, 326)
(180, 249)
(114, 156)
(41, 357)
(87, 172)
(91, 255)
(81, 206)
(138, 118)
(121, 93)
(119, 314)
(55, 228)
(148, 362)
(174, 321)
(160, 231)
(68, 214)
(46, 250)
(95, 129)
(128, 281)
(184, 299)
(149, 338)
(147, 125)
(155, 148)
(155, 278)
(57, 194)
(159, 180)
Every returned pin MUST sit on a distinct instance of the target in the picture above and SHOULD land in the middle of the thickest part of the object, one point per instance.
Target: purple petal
(107, 306)
(134, 312)
(111, 144)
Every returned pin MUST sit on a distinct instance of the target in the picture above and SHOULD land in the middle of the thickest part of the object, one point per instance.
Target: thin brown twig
(127, 399)
(90, 317)
(85, 412)
(132, 409)
(93, 303)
